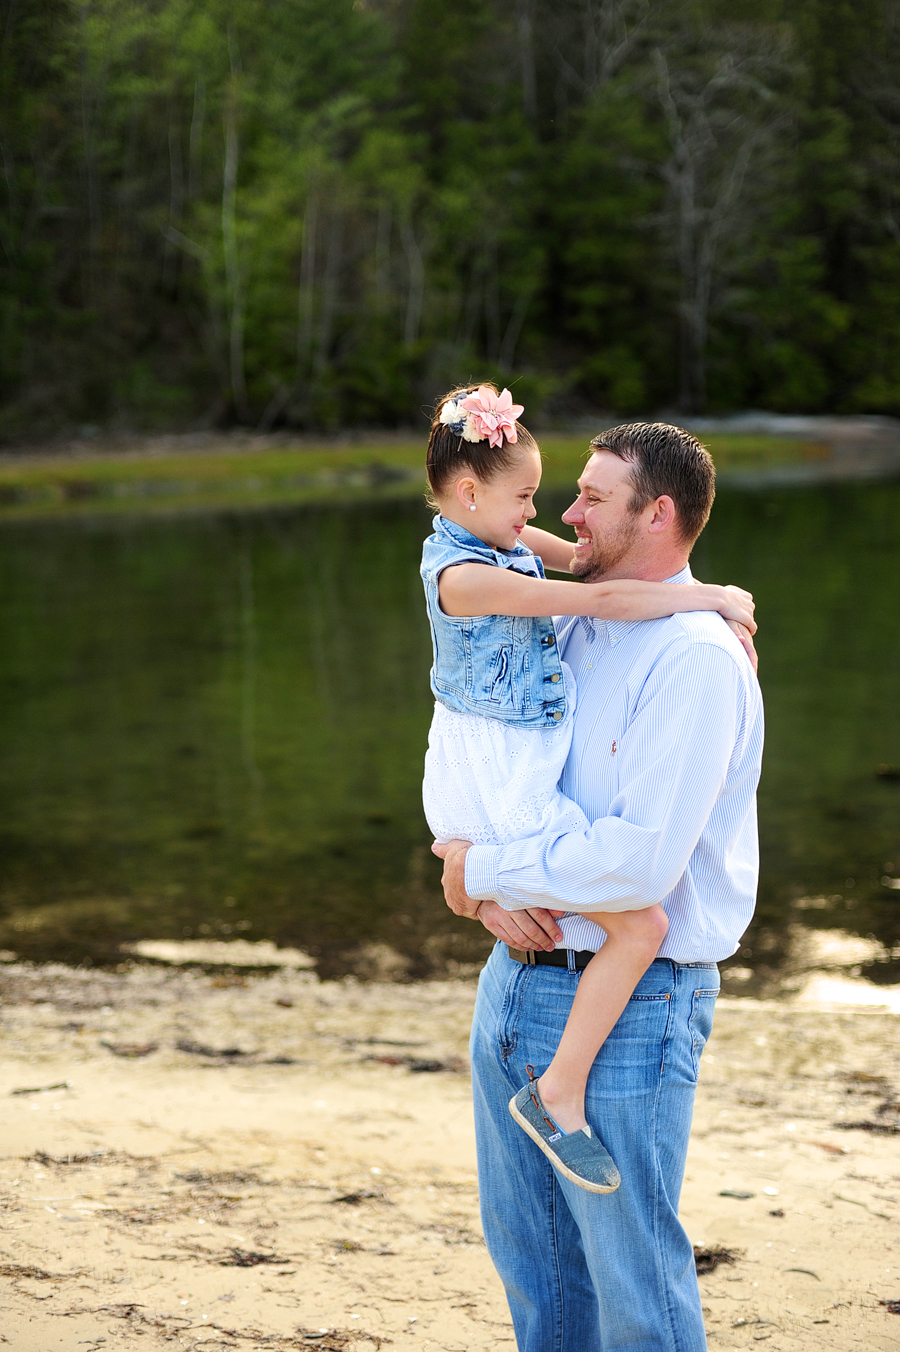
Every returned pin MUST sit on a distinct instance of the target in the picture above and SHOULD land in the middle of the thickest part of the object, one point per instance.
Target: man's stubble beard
(608, 553)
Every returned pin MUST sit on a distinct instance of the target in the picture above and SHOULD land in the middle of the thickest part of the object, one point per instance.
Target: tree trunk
(305, 291)
(514, 330)
(195, 143)
(330, 286)
(176, 191)
(232, 267)
(525, 19)
(383, 254)
(416, 285)
(90, 169)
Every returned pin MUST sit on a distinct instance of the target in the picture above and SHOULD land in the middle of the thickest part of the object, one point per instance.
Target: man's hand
(534, 928)
(453, 878)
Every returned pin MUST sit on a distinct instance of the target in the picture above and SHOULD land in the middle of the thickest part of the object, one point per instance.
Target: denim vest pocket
(500, 685)
(702, 1009)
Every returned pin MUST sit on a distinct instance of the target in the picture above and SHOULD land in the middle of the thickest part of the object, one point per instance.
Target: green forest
(312, 214)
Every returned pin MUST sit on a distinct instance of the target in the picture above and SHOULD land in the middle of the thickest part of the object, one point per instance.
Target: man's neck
(644, 570)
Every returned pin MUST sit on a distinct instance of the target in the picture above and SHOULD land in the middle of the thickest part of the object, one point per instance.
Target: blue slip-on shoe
(577, 1155)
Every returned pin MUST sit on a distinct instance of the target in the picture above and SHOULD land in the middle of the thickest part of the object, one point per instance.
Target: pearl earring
(472, 508)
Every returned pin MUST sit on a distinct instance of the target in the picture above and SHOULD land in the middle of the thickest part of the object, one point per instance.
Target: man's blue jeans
(583, 1272)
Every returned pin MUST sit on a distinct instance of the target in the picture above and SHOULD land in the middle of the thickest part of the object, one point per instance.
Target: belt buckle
(523, 955)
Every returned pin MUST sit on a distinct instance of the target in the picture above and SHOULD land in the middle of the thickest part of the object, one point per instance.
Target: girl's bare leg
(605, 987)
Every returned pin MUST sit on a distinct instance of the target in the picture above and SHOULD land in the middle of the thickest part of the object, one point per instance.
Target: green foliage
(319, 212)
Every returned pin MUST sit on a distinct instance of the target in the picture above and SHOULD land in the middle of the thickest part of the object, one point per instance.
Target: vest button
(557, 715)
(555, 677)
(550, 640)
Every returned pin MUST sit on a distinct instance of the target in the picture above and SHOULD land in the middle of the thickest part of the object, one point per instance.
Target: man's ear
(663, 515)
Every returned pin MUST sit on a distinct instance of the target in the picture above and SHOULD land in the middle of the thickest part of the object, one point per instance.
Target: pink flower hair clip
(494, 415)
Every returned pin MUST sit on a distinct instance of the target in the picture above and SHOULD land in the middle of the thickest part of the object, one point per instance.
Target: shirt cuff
(481, 872)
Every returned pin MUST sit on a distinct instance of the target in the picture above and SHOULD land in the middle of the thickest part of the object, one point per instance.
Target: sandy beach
(195, 1160)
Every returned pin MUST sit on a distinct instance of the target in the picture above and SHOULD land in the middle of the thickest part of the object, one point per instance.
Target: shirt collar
(617, 629)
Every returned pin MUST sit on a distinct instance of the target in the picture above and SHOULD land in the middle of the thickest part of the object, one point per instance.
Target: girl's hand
(733, 604)
(746, 640)
(740, 599)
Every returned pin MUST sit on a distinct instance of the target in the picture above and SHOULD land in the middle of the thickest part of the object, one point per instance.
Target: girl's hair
(449, 455)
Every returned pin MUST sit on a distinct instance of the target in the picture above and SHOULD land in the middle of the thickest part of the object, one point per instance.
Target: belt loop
(570, 959)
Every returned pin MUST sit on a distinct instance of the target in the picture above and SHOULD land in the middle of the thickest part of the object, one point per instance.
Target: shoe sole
(554, 1159)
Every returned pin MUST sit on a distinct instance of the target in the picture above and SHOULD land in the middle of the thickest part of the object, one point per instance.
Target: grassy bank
(260, 472)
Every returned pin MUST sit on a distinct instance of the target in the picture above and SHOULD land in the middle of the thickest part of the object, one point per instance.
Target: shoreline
(130, 477)
(272, 1161)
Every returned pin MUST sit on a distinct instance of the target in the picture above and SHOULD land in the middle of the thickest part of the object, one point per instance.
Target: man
(664, 762)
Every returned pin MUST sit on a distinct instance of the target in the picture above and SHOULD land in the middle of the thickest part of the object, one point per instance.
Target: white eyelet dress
(491, 782)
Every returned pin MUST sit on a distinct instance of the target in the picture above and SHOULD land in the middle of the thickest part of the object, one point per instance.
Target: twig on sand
(707, 1260)
(41, 1088)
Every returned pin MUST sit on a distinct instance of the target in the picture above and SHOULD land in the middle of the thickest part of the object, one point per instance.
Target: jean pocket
(702, 1009)
(630, 1058)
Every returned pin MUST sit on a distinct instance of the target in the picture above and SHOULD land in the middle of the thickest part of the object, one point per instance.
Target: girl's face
(503, 505)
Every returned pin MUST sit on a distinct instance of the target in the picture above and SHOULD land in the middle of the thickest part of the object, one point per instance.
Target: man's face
(609, 533)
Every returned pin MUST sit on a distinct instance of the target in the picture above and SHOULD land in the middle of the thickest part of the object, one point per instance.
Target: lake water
(215, 726)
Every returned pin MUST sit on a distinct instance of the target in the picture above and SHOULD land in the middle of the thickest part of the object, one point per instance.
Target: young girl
(503, 717)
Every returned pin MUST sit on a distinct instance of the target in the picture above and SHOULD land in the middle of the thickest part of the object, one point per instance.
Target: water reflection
(214, 727)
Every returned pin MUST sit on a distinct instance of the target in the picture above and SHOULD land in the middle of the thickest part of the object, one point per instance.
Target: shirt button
(590, 666)
(555, 677)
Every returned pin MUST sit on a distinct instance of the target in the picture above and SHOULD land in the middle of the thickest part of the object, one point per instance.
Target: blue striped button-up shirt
(665, 760)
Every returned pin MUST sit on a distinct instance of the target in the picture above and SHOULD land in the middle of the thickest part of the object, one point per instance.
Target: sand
(269, 1162)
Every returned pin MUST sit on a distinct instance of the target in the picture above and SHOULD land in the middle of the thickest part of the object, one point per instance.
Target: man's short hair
(668, 461)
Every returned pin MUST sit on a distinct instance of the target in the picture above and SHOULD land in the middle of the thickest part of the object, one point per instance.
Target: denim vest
(502, 666)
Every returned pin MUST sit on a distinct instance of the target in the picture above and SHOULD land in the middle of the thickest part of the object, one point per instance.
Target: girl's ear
(465, 492)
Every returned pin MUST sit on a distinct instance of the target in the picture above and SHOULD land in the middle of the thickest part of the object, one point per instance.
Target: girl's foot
(566, 1109)
(579, 1156)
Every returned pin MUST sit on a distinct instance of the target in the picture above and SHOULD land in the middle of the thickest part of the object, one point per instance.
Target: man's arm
(534, 928)
(672, 761)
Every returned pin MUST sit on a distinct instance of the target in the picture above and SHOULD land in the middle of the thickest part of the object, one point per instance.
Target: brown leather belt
(557, 957)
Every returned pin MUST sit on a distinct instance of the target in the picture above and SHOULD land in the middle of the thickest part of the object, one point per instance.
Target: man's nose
(573, 514)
